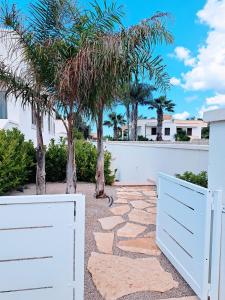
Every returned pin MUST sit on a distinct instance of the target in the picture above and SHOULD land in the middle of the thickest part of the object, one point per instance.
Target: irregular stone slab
(104, 241)
(109, 223)
(152, 200)
(120, 210)
(152, 210)
(142, 217)
(121, 201)
(150, 193)
(151, 234)
(131, 230)
(139, 204)
(140, 245)
(116, 276)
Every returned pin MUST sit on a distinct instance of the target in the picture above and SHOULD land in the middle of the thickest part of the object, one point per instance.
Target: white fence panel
(183, 230)
(42, 247)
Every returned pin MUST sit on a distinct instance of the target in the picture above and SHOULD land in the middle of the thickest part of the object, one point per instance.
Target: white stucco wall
(140, 162)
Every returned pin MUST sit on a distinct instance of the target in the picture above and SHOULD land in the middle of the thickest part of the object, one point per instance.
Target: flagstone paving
(116, 276)
(140, 245)
(109, 223)
(120, 210)
(127, 261)
(131, 230)
(141, 217)
(140, 204)
(104, 241)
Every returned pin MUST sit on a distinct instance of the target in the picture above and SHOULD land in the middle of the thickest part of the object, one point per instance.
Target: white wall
(138, 162)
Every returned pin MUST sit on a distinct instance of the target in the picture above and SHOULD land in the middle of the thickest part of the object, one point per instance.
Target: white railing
(42, 247)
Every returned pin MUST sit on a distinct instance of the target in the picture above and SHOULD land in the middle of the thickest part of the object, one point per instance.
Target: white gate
(183, 230)
(42, 247)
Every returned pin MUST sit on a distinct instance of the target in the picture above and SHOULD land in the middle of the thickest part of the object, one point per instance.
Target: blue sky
(196, 60)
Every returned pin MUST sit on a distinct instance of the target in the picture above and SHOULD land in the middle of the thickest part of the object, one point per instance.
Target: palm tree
(115, 69)
(161, 104)
(25, 78)
(115, 121)
(140, 94)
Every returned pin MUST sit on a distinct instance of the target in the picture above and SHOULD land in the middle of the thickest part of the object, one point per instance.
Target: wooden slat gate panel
(42, 247)
(183, 230)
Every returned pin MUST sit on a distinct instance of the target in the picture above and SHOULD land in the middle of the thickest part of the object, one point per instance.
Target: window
(167, 131)
(189, 131)
(153, 130)
(179, 130)
(3, 106)
(34, 118)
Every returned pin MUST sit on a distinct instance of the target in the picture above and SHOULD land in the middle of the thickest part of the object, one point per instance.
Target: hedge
(16, 160)
(86, 159)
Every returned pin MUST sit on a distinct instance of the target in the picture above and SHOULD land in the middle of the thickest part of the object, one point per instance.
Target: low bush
(17, 160)
(199, 179)
(86, 159)
(55, 164)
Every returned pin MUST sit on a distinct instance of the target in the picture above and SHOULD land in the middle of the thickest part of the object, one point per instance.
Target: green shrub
(86, 159)
(199, 179)
(142, 138)
(182, 136)
(55, 164)
(16, 160)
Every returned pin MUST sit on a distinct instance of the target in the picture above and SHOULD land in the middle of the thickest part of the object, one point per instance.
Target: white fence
(191, 233)
(42, 247)
(138, 162)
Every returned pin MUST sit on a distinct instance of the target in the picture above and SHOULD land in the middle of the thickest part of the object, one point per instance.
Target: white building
(193, 128)
(13, 115)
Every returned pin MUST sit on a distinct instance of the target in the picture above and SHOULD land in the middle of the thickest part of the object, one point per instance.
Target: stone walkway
(131, 229)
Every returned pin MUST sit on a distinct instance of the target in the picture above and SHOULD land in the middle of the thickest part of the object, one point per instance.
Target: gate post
(216, 166)
(216, 184)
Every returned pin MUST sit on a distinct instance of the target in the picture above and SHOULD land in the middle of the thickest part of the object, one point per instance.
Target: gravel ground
(96, 209)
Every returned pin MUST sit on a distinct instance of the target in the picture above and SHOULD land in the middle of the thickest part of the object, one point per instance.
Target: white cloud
(181, 116)
(175, 81)
(208, 72)
(205, 108)
(191, 98)
(218, 99)
(184, 54)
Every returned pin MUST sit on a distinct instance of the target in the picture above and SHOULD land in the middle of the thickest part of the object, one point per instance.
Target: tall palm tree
(116, 121)
(161, 104)
(140, 94)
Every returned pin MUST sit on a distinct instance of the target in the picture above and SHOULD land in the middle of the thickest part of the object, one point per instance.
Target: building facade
(147, 128)
(13, 115)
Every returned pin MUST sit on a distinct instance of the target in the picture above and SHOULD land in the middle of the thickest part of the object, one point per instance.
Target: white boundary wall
(138, 162)
(42, 247)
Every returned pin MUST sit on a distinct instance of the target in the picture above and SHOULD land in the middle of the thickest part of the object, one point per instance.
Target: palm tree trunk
(132, 132)
(128, 121)
(135, 120)
(71, 165)
(115, 134)
(159, 124)
(40, 155)
(100, 176)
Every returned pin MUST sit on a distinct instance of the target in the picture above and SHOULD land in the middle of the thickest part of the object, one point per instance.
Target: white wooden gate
(183, 230)
(42, 247)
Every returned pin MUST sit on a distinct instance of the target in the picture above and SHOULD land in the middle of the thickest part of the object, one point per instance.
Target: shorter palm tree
(115, 121)
(161, 104)
(140, 94)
